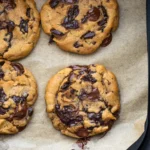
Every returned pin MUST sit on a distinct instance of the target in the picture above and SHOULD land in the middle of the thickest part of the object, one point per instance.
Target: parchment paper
(126, 56)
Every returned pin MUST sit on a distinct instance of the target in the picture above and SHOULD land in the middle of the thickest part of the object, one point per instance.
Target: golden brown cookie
(80, 26)
(83, 101)
(19, 28)
(18, 92)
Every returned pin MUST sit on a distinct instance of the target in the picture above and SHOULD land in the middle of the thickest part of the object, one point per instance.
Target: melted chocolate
(88, 35)
(89, 78)
(18, 67)
(93, 14)
(93, 95)
(107, 41)
(82, 142)
(24, 26)
(68, 115)
(82, 132)
(20, 113)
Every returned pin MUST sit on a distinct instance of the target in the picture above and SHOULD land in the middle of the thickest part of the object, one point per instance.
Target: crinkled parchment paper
(126, 56)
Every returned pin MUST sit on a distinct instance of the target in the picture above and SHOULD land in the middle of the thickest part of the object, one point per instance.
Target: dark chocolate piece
(69, 21)
(30, 111)
(68, 115)
(56, 32)
(54, 3)
(82, 132)
(24, 26)
(28, 12)
(77, 45)
(18, 67)
(93, 14)
(107, 41)
(88, 35)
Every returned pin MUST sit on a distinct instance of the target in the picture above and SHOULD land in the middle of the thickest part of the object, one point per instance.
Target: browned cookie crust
(80, 26)
(83, 101)
(19, 28)
(18, 92)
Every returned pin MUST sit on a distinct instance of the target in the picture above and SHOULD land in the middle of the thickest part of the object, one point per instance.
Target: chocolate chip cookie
(19, 28)
(83, 101)
(80, 26)
(18, 92)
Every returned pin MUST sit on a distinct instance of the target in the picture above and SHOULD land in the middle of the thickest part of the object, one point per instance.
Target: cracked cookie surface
(80, 26)
(18, 92)
(19, 28)
(83, 101)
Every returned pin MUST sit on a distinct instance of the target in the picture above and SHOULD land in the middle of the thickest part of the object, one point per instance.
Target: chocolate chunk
(72, 25)
(94, 116)
(56, 32)
(24, 26)
(88, 35)
(68, 115)
(10, 26)
(77, 45)
(84, 19)
(30, 111)
(1, 74)
(82, 132)
(2, 95)
(94, 95)
(102, 22)
(73, 12)
(69, 21)
(107, 41)
(89, 78)
(51, 38)
(20, 112)
(18, 67)
(3, 111)
(28, 12)
(18, 99)
(54, 3)
(104, 11)
(65, 85)
(93, 14)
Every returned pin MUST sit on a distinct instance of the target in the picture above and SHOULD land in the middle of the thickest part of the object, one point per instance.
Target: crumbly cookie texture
(83, 101)
(19, 28)
(80, 26)
(18, 92)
